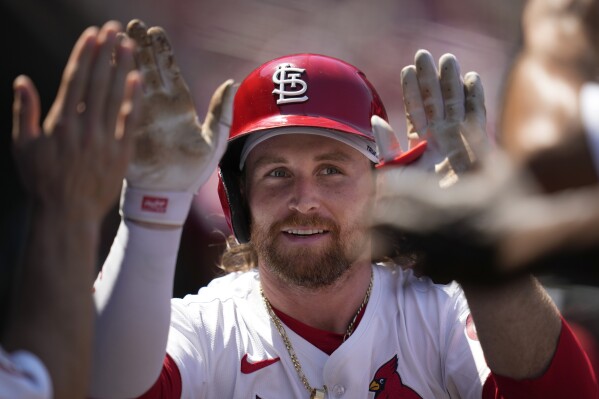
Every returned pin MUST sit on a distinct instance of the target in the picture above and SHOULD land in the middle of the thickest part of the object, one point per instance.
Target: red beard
(303, 266)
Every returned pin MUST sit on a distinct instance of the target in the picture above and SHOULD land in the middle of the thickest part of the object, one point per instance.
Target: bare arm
(72, 169)
(498, 222)
(517, 324)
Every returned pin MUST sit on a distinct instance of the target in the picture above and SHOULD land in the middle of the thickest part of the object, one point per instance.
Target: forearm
(517, 324)
(60, 334)
(569, 363)
(132, 298)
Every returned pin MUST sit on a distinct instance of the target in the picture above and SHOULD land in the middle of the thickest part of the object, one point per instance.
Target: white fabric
(132, 298)
(23, 376)
(163, 207)
(589, 105)
(366, 147)
(422, 323)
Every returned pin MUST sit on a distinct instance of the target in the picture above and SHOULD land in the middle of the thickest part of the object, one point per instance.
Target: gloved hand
(495, 224)
(448, 117)
(175, 153)
(441, 110)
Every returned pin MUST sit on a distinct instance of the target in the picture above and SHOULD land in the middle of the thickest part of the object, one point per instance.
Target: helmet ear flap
(244, 205)
(231, 184)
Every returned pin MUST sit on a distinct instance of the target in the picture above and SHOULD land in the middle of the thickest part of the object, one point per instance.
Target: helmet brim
(278, 121)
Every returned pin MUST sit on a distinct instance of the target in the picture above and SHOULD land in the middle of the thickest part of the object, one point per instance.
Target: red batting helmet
(302, 90)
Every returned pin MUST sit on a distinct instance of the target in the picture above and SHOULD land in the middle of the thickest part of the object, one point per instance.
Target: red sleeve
(569, 375)
(168, 385)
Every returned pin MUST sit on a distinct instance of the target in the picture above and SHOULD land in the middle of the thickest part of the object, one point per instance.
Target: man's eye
(330, 171)
(278, 173)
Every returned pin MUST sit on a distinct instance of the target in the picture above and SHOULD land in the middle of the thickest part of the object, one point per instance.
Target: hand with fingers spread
(446, 112)
(85, 143)
(446, 121)
(175, 153)
(72, 168)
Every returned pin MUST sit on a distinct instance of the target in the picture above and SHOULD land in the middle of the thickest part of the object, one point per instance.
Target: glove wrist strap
(154, 206)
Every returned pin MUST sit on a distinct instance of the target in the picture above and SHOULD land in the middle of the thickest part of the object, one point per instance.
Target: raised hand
(175, 153)
(85, 144)
(446, 112)
(73, 168)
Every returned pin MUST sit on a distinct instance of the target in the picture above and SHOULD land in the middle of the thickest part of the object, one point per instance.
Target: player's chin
(299, 254)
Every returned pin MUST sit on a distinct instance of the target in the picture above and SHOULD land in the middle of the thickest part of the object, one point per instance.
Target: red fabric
(324, 340)
(168, 385)
(588, 343)
(569, 375)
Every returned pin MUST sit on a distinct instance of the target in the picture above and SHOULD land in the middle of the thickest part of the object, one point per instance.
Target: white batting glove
(175, 153)
(446, 112)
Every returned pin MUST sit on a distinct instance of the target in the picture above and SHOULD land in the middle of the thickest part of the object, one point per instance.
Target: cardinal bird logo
(387, 383)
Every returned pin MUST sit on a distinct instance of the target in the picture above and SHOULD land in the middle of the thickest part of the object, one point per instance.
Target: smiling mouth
(305, 233)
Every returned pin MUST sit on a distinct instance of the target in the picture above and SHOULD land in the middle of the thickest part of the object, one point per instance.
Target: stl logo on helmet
(286, 79)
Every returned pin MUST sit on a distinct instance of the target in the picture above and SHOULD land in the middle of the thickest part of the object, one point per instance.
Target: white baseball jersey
(23, 376)
(412, 340)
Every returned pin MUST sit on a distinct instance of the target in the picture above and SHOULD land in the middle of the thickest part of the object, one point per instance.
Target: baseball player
(309, 314)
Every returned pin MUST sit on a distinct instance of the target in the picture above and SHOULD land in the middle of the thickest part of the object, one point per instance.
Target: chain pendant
(317, 394)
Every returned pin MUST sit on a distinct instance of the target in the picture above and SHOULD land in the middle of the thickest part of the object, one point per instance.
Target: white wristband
(163, 207)
(589, 105)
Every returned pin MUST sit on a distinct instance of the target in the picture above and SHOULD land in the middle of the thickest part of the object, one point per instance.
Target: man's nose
(305, 196)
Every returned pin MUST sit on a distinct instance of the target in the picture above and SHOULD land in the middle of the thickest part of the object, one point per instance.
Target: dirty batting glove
(446, 112)
(175, 153)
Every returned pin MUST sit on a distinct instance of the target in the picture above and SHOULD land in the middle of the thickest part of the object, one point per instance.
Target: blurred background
(219, 39)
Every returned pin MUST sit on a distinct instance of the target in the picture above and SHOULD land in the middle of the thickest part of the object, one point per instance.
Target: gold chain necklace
(315, 393)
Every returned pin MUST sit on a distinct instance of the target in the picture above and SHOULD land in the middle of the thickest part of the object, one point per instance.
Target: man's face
(310, 200)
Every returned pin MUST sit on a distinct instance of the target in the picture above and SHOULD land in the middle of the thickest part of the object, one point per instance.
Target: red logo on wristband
(154, 204)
